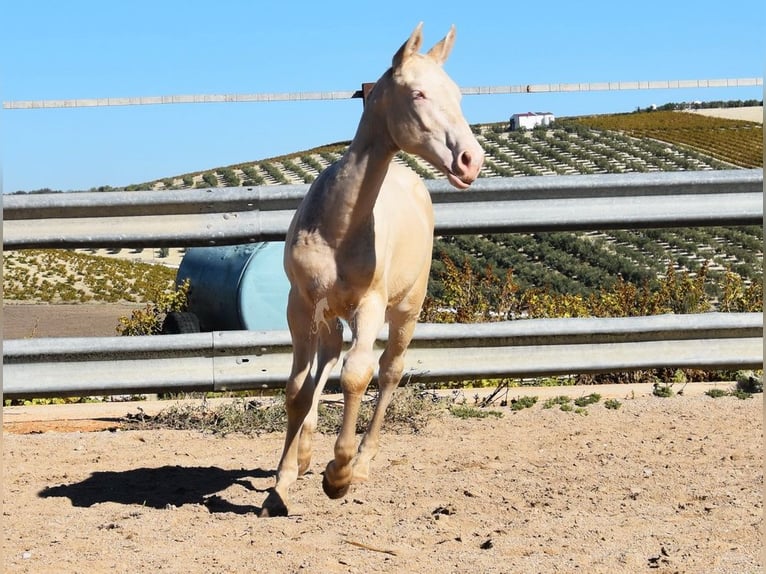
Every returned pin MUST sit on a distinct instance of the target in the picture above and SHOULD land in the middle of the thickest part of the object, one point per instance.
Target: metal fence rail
(240, 215)
(238, 360)
(347, 94)
(234, 360)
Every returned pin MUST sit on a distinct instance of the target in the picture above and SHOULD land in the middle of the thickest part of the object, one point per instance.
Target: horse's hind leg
(330, 343)
(298, 399)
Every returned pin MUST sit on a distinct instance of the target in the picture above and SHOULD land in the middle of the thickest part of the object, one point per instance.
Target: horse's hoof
(333, 492)
(273, 506)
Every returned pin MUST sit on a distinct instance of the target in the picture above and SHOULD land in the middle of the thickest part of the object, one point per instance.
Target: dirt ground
(659, 485)
(27, 320)
(665, 485)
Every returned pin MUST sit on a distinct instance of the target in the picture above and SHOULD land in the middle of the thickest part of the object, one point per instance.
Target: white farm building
(529, 120)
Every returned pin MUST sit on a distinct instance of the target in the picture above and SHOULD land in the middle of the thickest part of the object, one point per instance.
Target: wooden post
(364, 92)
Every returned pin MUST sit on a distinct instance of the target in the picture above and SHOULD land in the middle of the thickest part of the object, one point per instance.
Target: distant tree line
(37, 191)
(674, 106)
(49, 190)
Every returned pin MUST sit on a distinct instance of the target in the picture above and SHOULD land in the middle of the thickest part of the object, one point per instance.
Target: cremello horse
(359, 249)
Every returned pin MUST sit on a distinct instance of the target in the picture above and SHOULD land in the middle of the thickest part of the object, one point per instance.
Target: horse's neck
(359, 176)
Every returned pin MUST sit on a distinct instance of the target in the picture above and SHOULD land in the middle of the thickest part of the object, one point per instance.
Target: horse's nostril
(465, 159)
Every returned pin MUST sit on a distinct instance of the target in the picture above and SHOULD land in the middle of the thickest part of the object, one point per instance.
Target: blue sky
(92, 49)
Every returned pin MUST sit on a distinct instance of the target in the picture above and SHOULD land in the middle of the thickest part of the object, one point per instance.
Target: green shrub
(230, 178)
(210, 179)
(523, 403)
(749, 381)
(561, 400)
(148, 320)
(587, 400)
(662, 390)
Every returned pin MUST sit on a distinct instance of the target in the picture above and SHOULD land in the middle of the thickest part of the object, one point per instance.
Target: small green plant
(470, 412)
(590, 399)
(561, 401)
(662, 390)
(613, 404)
(523, 403)
(717, 393)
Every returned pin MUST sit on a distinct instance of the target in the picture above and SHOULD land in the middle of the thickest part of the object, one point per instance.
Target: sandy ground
(666, 485)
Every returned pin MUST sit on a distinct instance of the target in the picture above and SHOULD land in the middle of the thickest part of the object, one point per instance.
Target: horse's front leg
(400, 331)
(358, 369)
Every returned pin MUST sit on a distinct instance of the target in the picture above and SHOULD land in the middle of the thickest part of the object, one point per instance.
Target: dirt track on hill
(659, 485)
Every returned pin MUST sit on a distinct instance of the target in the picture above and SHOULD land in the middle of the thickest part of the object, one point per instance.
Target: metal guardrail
(222, 216)
(238, 360)
(234, 360)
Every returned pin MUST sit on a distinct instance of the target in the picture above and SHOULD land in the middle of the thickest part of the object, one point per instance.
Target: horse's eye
(418, 95)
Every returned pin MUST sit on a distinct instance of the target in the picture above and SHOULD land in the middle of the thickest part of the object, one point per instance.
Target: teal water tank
(236, 287)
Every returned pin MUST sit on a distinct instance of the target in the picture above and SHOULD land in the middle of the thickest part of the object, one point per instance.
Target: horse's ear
(440, 52)
(410, 47)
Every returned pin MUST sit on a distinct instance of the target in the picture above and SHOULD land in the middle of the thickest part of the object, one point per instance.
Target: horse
(359, 249)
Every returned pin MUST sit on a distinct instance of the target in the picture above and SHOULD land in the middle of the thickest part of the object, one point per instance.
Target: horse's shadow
(162, 487)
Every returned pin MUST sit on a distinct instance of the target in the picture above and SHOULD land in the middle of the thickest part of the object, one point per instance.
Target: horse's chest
(344, 270)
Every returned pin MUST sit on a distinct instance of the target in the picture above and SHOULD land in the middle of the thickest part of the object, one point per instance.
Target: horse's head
(423, 110)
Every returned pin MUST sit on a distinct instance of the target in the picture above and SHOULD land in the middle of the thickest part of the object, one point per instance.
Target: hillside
(736, 141)
(610, 143)
(573, 263)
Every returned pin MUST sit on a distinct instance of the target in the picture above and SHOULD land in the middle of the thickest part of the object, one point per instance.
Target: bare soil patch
(659, 485)
(29, 320)
(749, 114)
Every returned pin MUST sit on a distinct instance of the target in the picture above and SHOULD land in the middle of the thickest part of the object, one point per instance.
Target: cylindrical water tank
(237, 287)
